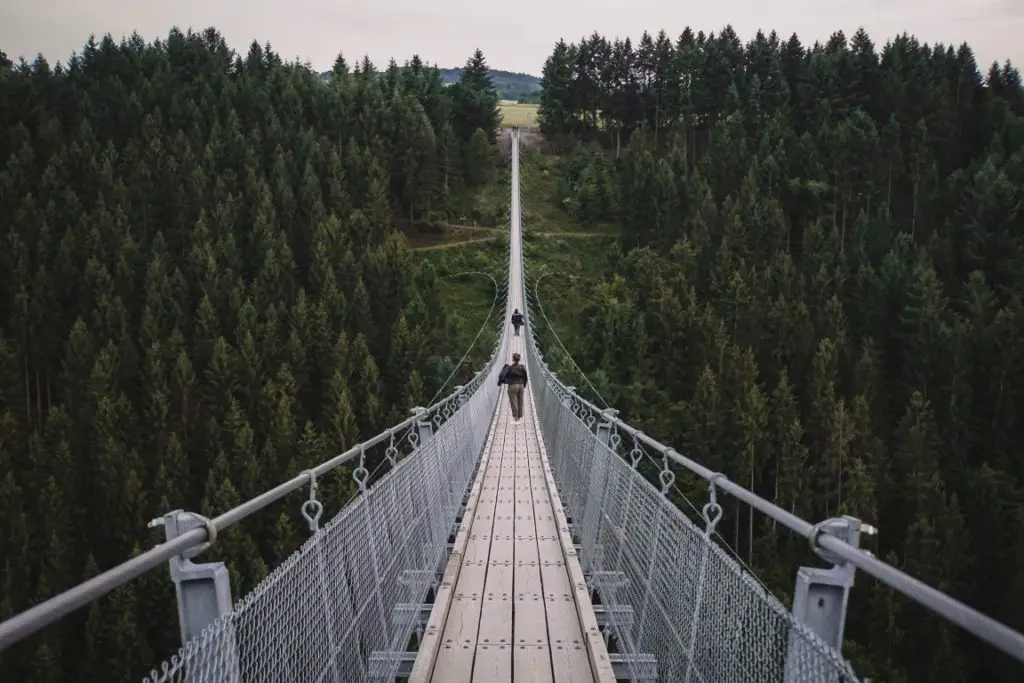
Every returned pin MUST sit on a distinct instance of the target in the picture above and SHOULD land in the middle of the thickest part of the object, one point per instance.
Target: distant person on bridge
(514, 376)
(517, 320)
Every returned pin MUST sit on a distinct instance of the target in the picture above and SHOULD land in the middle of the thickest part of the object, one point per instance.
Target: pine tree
(475, 101)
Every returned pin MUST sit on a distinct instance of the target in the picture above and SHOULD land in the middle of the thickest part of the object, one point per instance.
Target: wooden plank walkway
(513, 605)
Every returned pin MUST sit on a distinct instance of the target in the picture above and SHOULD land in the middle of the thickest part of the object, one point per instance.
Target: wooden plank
(546, 525)
(530, 616)
(527, 579)
(433, 636)
(462, 628)
(532, 656)
(502, 550)
(577, 613)
(569, 657)
(496, 615)
(479, 548)
(454, 663)
(493, 663)
(526, 548)
(494, 638)
(471, 579)
(526, 544)
(504, 522)
(532, 664)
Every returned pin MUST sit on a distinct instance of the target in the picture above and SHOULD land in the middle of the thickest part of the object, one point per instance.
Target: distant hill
(510, 85)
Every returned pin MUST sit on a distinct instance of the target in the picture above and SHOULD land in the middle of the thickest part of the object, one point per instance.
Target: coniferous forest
(204, 293)
(818, 291)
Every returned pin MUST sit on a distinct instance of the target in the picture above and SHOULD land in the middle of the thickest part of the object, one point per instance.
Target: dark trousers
(516, 329)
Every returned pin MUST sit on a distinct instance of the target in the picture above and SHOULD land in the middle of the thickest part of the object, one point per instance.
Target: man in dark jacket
(517, 320)
(514, 376)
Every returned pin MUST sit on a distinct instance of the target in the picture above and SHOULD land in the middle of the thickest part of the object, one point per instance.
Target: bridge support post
(821, 596)
(424, 428)
(588, 520)
(204, 592)
(567, 401)
(604, 429)
(436, 546)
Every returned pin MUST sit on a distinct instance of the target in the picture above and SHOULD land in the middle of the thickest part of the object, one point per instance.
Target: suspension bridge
(480, 548)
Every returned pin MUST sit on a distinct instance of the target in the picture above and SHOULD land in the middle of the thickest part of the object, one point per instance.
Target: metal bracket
(821, 596)
(608, 580)
(604, 429)
(417, 578)
(204, 589)
(605, 438)
(424, 428)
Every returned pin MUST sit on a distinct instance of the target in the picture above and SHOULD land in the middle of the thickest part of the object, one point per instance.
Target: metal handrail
(35, 618)
(968, 618)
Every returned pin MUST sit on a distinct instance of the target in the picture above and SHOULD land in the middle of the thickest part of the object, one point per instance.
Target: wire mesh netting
(320, 615)
(694, 608)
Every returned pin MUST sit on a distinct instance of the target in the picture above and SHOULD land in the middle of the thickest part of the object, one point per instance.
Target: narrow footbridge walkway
(513, 604)
(480, 548)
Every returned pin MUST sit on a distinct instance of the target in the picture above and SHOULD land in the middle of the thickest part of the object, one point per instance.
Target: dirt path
(451, 245)
(569, 234)
(478, 240)
(474, 228)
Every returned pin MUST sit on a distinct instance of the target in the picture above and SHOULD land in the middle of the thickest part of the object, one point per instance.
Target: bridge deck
(513, 605)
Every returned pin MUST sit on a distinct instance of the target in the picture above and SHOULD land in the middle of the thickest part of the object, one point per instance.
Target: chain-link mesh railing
(320, 615)
(695, 608)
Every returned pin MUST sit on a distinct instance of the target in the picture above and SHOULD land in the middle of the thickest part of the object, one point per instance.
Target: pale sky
(514, 36)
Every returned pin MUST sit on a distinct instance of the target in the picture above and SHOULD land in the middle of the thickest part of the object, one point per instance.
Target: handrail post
(589, 521)
(821, 596)
(567, 399)
(424, 428)
(203, 590)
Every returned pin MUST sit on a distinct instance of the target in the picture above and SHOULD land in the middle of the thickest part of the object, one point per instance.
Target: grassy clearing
(575, 257)
(468, 295)
(541, 181)
(564, 274)
(517, 114)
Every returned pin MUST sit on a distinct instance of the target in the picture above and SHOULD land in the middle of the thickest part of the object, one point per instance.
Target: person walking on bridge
(517, 320)
(514, 376)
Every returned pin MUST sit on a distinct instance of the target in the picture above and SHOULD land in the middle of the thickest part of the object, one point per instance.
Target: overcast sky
(515, 36)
